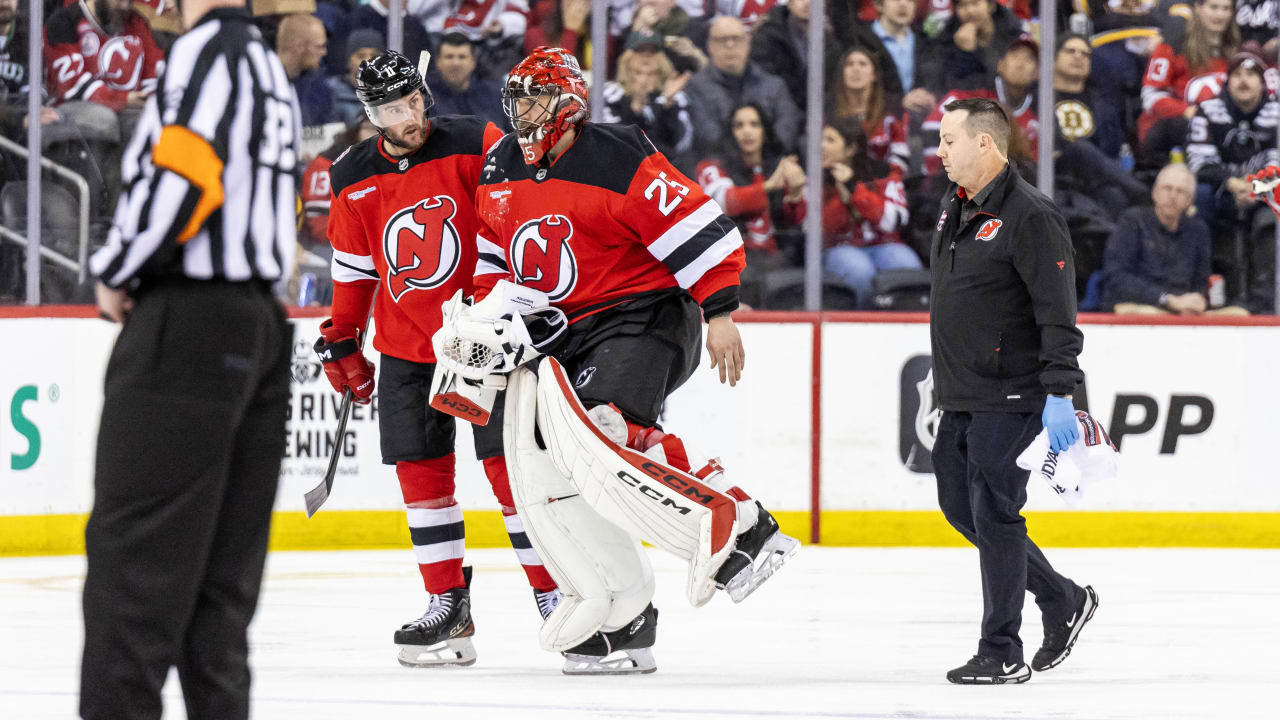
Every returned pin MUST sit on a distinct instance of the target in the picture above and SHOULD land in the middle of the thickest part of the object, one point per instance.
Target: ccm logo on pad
(988, 231)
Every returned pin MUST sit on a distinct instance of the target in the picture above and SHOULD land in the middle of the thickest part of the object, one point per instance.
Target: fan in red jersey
(1180, 76)
(401, 220)
(101, 51)
(593, 221)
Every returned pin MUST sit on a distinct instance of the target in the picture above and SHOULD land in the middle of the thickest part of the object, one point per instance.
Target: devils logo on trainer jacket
(542, 257)
(421, 246)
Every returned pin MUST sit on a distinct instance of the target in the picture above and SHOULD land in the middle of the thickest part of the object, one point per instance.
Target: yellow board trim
(386, 529)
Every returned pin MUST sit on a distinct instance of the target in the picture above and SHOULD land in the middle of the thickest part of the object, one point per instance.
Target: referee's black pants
(188, 459)
(982, 490)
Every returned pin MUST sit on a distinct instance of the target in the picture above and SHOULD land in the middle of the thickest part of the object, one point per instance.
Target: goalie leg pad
(649, 499)
(602, 571)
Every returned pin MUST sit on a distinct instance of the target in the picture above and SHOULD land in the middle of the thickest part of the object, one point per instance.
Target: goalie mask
(543, 97)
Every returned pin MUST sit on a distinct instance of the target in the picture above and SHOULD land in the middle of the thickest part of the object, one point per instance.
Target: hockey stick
(317, 495)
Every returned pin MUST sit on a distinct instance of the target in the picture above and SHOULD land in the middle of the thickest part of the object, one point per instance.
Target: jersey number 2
(660, 185)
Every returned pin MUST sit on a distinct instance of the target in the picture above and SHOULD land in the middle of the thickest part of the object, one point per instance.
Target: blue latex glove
(1059, 418)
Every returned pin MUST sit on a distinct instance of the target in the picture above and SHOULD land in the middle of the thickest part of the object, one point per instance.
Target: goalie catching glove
(478, 345)
(344, 363)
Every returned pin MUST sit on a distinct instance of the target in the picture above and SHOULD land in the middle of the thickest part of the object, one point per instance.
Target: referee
(197, 387)
(1003, 329)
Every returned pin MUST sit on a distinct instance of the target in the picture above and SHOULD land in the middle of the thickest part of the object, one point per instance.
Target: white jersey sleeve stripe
(722, 248)
(681, 232)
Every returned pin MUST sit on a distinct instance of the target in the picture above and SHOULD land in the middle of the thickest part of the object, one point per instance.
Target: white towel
(1092, 457)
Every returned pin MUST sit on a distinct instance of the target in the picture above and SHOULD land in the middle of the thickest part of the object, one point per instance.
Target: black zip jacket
(1002, 317)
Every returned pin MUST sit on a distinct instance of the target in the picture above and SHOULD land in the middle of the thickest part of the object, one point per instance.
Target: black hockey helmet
(389, 77)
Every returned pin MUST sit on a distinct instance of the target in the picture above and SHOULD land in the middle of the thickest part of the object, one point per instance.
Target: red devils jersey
(85, 64)
(748, 204)
(887, 142)
(1170, 85)
(610, 219)
(406, 223)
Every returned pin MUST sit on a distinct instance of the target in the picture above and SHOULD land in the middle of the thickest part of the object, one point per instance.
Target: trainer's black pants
(982, 490)
(188, 459)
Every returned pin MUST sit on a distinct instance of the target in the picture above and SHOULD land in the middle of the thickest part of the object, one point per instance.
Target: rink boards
(828, 417)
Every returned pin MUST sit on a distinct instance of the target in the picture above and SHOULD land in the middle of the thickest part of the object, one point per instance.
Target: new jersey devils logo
(120, 62)
(421, 245)
(541, 257)
(988, 231)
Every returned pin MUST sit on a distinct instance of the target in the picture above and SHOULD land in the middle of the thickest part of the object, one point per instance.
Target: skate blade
(455, 652)
(775, 552)
(632, 661)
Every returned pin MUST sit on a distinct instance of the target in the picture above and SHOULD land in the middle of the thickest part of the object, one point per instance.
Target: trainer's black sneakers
(1059, 637)
(983, 670)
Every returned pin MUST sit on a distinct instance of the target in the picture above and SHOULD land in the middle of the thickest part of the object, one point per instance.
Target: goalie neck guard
(544, 96)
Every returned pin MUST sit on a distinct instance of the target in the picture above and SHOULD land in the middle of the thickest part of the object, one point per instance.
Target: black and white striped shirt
(210, 177)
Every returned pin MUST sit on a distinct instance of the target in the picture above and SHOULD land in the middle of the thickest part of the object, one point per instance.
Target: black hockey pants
(188, 460)
(982, 490)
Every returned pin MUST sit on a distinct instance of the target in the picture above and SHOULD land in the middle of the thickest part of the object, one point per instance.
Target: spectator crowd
(1161, 109)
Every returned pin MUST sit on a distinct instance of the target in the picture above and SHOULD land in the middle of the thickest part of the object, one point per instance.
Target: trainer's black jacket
(1002, 318)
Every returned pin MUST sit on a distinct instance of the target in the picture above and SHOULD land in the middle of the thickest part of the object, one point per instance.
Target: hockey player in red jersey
(632, 258)
(401, 221)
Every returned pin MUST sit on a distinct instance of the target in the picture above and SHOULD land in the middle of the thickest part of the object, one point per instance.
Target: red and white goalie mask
(543, 97)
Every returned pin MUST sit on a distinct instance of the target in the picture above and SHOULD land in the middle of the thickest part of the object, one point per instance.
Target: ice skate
(547, 601)
(626, 651)
(442, 636)
(759, 552)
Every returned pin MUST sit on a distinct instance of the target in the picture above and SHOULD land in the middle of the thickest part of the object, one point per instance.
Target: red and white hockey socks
(539, 579)
(435, 521)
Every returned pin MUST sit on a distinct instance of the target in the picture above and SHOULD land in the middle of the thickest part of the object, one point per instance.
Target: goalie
(597, 253)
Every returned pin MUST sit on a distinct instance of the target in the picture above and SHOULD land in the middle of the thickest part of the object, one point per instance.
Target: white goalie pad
(602, 571)
(651, 500)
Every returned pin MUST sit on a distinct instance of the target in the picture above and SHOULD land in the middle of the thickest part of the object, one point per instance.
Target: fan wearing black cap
(1230, 137)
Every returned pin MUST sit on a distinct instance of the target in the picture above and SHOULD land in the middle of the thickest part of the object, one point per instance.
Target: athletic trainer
(1002, 321)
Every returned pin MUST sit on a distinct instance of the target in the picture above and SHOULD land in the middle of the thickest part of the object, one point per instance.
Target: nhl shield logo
(942, 220)
(403, 164)
(988, 231)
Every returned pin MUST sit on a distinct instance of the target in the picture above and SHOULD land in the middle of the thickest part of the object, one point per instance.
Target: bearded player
(631, 258)
(401, 221)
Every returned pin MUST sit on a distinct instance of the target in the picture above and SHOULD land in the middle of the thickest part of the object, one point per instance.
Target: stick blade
(316, 497)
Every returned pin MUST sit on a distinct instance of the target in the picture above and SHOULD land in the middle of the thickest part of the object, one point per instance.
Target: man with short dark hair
(458, 88)
(1002, 323)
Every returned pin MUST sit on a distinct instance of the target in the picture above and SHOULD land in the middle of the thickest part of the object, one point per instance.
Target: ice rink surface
(839, 633)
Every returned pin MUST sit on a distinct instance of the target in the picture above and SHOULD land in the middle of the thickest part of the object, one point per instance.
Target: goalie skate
(442, 636)
(604, 653)
(758, 554)
(625, 651)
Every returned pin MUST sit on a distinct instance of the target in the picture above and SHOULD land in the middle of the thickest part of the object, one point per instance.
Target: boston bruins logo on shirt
(1075, 119)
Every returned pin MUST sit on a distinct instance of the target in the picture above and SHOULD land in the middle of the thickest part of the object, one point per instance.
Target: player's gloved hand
(1265, 186)
(1059, 418)
(345, 365)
